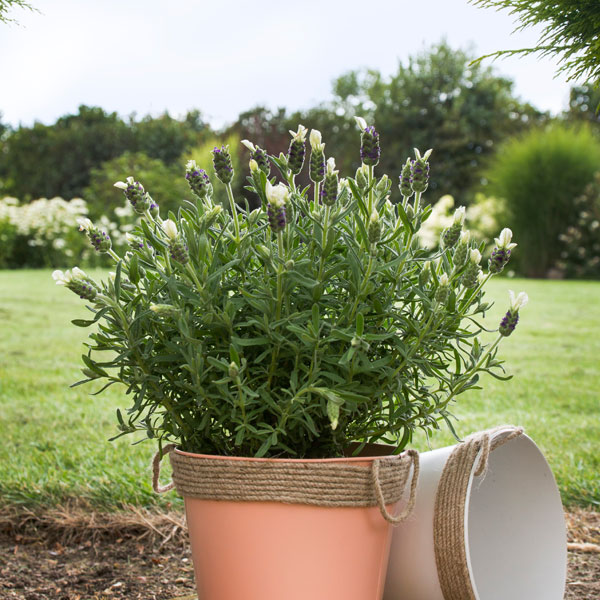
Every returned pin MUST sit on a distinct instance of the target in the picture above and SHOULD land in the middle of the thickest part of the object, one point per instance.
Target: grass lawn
(54, 439)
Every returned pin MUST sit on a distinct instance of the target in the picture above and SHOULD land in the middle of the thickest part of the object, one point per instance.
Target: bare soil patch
(76, 554)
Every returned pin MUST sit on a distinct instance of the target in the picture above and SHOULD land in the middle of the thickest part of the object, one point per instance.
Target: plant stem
(194, 276)
(241, 398)
(233, 207)
(417, 202)
(279, 301)
(370, 188)
(279, 274)
(113, 255)
(324, 240)
(466, 299)
(362, 287)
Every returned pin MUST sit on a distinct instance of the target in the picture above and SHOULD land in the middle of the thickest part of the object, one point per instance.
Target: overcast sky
(147, 56)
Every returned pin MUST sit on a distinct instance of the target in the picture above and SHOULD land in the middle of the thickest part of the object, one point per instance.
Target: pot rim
(356, 459)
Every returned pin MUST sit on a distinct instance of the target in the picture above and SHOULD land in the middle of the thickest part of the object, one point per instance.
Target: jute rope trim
(450, 502)
(333, 484)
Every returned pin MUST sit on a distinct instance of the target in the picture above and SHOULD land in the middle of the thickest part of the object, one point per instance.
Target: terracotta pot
(276, 551)
(513, 530)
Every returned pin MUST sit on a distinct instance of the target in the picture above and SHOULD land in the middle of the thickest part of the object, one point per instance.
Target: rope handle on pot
(159, 489)
(396, 520)
(470, 456)
(489, 440)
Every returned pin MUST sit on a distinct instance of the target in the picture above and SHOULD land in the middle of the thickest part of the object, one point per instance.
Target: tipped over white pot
(482, 530)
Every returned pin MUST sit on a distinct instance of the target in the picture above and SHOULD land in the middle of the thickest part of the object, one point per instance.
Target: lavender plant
(294, 329)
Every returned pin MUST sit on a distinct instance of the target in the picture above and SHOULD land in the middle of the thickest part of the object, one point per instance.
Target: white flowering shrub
(44, 233)
(483, 215)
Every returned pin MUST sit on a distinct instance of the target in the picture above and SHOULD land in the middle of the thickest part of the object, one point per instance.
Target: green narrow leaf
(404, 218)
(315, 318)
(360, 324)
(134, 271)
(233, 355)
(264, 448)
(333, 410)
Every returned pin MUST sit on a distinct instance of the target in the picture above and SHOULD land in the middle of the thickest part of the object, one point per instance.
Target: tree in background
(434, 101)
(569, 32)
(583, 102)
(437, 101)
(267, 128)
(167, 138)
(56, 160)
(6, 5)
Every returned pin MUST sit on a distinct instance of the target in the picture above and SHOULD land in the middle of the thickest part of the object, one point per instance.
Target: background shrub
(580, 242)
(539, 175)
(45, 233)
(483, 218)
(167, 183)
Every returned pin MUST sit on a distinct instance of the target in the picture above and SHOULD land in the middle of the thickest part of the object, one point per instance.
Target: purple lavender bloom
(508, 323)
(406, 179)
(262, 159)
(135, 194)
(317, 165)
(197, 179)
(329, 191)
(100, 240)
(369, 147)
(222, 164)
(296, 154)
(178, 251)
(498, 259)
(420, 175)
(276, 216)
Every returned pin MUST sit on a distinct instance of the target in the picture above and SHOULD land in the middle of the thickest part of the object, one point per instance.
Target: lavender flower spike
(178, 249)
(460, 252)
(501, 253)
(406, 179)
(329, 192)
(197, 179)
(99, 239)
(369, 143)
(470, 278)
(135, 194)
(374, 228)
(297, 150)
(451, 234)
(420, 171)
(443, 291)
(317, 157)
(77, 281)
(222, 164)
(277, 195)
(511, 318)
(259, 155)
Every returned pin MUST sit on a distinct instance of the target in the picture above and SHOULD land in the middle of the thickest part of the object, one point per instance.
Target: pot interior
(515, 529)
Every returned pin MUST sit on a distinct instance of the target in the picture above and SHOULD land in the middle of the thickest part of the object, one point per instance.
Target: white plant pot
(513, 527)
